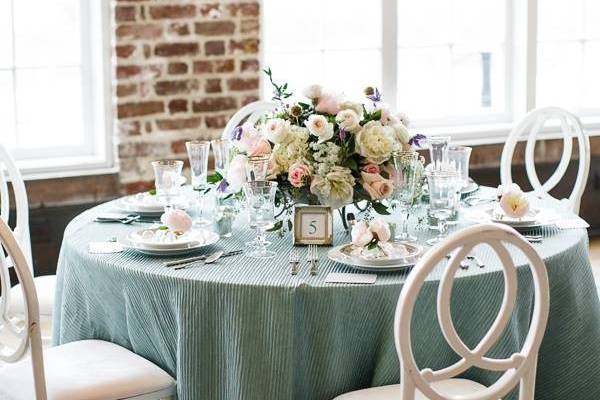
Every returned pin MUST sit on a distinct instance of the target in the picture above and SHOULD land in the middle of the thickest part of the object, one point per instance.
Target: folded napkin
(571, 223)
(335, 277)
(104, 247)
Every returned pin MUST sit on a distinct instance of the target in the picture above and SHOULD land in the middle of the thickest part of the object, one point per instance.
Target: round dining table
(244, 328)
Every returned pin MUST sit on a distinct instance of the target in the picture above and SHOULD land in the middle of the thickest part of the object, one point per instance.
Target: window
(466, 67)
(52, 86)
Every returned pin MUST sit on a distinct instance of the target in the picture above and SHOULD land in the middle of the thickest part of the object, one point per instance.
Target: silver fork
(312, 259)
(294, 260)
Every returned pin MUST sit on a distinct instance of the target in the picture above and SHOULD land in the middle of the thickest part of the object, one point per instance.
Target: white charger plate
(340, 254)
(191, 237)
(543, 217)
(166, 252)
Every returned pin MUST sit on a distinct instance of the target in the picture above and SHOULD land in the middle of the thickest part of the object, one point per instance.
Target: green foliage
(280, 92)
(214, 178)
(380, 208)
(152, 192)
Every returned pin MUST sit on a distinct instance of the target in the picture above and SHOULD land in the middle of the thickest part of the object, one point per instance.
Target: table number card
(313, 225)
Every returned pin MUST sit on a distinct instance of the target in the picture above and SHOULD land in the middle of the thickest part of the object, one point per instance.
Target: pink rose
(177, 220)
(298, 174)
(259, 147)
(361, 234)
(514, 204)
(381, 229)
(377, 186)
(371, 168)
(328, 103)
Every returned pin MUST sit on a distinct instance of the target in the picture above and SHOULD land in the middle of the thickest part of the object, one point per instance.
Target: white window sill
(65, 167)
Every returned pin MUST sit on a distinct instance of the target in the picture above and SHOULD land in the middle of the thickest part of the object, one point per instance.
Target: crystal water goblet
(405, 165)
(260, 202)
(444, 192)
(167, 180)
(221, 152)
(438, 150)
(257, 168)
(198, 156)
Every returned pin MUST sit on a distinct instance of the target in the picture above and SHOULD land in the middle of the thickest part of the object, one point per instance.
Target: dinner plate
(146, 204)
(187, 239)
(543, 217)
(193, 247)
(342, 255)
(497, 215)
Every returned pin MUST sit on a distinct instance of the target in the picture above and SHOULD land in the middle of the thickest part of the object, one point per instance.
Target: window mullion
(532, 53)
(389, 51)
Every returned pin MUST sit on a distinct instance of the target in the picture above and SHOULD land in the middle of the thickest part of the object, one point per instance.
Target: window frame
(520, 90)
(97, 154)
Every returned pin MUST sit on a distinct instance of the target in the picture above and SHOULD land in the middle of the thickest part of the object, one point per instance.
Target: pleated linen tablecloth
(246, 329)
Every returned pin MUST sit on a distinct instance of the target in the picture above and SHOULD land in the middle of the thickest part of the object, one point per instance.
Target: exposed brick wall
(182, 68)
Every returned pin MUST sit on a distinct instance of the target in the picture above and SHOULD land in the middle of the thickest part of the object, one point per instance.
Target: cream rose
(514, 204)
(313, 91)
(377, 186)
(319, 126)
(350, 105)
(375, 142)
(348, 120)
(276, 130)
(335, 189)
(236, 174)
(401, 133)
(328, 103)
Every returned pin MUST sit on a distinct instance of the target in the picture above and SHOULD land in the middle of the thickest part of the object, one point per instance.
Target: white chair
(250, 112)
(44, 284)
(519, 368)
(531, 126)
(88, 369)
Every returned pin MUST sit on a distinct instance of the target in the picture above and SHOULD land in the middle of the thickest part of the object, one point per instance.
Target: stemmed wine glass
(444, 193)
(221, 153)
(198, 156)
(260, 201)
(257, 168)
(405, 185)
(167, 180)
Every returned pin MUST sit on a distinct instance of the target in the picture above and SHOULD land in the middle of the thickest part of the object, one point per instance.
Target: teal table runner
(247, 329)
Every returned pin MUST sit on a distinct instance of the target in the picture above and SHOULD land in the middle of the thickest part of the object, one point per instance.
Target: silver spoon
(208, 260)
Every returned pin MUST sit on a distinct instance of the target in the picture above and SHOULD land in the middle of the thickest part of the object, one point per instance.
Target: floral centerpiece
(325, 150)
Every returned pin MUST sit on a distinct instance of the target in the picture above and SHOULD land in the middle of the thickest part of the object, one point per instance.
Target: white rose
(514, 204)
(402, 134)
(236, 173)
(380, 228)
(509, 187)
(276, 130)
(375, 142)
(313, 91)
(361, 234)
(348, 120)
(350, 105)
(319, 126)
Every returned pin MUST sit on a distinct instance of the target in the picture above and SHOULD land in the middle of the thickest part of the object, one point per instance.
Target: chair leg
(527, 386)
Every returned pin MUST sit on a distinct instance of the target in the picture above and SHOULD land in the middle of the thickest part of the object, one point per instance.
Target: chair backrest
(519, 367)
(23, 331)
(10, 172)
(250, 112)
(530, 126)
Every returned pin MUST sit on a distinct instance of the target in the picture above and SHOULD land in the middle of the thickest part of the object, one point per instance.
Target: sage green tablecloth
(246, 329)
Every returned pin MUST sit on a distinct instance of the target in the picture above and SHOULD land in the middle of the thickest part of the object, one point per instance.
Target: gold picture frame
(313, 225)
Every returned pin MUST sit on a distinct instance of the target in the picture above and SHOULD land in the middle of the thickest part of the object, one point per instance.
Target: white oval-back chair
(251, 112)
(530, 127)
(519, 368)
(88, 369)
(45, 284)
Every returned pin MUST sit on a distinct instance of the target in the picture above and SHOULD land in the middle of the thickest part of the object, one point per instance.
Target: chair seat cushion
(88, 369)
(449, 387)
(44, 286)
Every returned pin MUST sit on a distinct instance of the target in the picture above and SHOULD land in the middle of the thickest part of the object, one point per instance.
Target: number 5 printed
(313, 227)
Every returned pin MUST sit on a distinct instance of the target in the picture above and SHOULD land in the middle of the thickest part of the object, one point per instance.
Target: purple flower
(223, 185)
(375, 97)
(237, 133)
(342, 134)
(417, 140)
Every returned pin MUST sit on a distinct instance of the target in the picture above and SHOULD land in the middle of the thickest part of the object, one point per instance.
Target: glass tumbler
(444, 193)
(167, 180)
(438, 150)
(459, 156)
(257, 168)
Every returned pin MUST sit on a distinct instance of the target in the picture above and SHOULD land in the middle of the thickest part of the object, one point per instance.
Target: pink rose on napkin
(177, 220)
(299, 174)
(361, 234)
(380, 229)
(514, 204)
